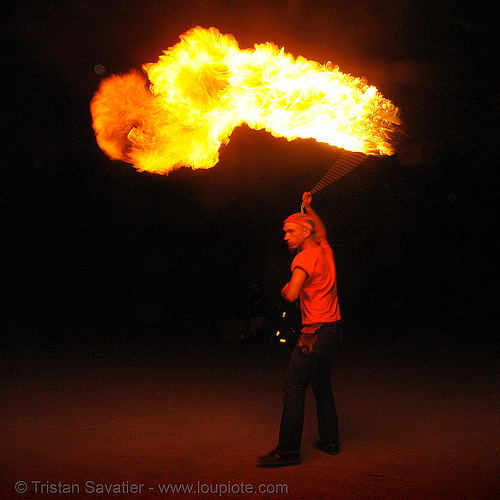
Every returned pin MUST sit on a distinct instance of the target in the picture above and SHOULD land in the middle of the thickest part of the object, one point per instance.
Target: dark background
(89, 247)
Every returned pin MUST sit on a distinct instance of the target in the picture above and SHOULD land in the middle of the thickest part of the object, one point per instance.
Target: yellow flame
(205, 86)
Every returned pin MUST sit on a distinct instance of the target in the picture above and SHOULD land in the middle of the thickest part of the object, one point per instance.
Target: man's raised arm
(319, 227)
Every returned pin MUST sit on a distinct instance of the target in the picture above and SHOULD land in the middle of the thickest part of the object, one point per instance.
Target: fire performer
(314, 281)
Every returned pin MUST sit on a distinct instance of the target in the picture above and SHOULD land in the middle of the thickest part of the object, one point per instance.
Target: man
(314, 281)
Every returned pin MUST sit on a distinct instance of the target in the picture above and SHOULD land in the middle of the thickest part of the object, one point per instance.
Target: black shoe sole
(329, 450)
(278, 464)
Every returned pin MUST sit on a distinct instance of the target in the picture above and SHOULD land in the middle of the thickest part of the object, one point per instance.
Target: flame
(205, 86)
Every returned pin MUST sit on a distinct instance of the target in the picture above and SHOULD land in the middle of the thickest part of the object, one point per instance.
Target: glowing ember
(205, 86)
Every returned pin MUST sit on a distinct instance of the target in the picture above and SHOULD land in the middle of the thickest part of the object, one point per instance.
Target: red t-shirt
(318, 296)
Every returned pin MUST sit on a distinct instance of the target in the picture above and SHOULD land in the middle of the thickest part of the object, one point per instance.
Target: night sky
(89, 241)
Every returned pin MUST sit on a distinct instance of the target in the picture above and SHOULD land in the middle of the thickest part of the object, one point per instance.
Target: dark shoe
(274, 459)
(332, 449)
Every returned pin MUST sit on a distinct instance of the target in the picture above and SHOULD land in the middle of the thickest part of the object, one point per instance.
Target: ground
(418, 420)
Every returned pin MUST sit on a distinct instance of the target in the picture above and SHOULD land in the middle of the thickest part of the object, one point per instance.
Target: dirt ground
(129, 420)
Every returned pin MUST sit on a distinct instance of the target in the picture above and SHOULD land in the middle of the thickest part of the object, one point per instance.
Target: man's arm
(318, 224)
(291, 290)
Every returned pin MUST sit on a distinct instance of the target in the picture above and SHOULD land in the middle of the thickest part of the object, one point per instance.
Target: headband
(301, 219)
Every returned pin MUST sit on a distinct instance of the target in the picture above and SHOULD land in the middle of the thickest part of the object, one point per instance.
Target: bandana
(301, 219)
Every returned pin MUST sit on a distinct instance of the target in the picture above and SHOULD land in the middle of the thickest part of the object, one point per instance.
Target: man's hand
(319, 227)
(307, 198)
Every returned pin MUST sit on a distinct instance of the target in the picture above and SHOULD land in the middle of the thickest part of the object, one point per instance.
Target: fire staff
(314, 281)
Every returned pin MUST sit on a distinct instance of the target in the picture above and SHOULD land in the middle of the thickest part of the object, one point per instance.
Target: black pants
(314, 368)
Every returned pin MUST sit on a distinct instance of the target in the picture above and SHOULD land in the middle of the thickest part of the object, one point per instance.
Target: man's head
(298, 228)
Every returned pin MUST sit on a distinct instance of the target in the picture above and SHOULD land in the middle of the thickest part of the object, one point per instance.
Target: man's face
(295, 235)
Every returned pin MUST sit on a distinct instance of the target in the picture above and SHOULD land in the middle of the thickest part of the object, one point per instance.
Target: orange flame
(205, 86)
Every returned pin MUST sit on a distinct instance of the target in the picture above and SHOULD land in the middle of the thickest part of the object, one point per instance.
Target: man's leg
(325, 404)
(330, 337)
(292, 420)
